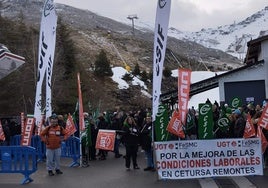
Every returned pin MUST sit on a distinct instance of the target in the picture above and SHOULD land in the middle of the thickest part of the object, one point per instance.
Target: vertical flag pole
(81, 114)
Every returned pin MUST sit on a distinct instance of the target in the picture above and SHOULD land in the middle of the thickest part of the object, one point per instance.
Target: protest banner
(208, 158)
(105, 140)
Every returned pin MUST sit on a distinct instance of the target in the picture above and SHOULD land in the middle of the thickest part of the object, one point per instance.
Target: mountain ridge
(92, 34)
(230, 38)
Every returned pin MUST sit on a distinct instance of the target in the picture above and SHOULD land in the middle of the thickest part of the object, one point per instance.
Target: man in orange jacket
(52, 136)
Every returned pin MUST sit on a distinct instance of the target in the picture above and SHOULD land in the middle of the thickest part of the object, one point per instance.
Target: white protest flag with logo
(47, 29)
(160, 41)
(51, 50)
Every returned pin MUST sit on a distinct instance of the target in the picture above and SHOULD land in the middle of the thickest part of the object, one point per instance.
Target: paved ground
(111, 173)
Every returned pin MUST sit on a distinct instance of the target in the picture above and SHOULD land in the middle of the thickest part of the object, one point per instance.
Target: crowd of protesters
(237, 122)
(134, 130)
(129, 133)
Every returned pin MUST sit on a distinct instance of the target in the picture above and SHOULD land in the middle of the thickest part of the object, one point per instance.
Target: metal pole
(132, 17)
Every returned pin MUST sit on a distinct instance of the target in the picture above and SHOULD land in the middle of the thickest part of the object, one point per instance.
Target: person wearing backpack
(52, 137)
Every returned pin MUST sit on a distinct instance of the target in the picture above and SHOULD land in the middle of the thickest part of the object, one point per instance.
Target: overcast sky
(186, 15)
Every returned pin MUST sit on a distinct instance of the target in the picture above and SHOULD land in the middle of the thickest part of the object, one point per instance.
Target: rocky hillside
(89, 33)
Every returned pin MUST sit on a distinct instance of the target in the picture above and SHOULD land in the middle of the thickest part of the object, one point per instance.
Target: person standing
(131, 138)
(146, 143)
(86, 141)
(117, 126)
(52, 136)
(240, 124)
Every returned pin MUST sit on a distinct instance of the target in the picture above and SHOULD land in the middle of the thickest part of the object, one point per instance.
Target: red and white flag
(105, 140)
(70, 126)
(40, 126)
(80, 102)
(264, 142)
(175, 126)
(28, 131)
(2, 134)
(184, 82)
(249, 128)
(263, 121)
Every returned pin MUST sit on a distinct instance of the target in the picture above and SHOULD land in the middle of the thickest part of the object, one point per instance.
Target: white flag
(160, 41)
(46, 38)
(51, 51)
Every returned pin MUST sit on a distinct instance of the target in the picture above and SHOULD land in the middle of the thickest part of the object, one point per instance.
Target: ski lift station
(249, 82)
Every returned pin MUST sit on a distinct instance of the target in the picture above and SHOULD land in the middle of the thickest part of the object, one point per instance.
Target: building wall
(247, 91)
(254, 73)
(251, 74)
(264, 56)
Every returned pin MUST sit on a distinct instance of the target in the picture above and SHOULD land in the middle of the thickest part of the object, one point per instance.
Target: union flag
(175, 126)
(249, 128)
(2, 134)
(264, 142)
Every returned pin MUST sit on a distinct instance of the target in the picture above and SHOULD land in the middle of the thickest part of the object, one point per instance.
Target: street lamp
(132, 17)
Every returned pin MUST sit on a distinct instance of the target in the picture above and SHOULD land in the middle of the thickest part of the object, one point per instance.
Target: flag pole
(81, 114)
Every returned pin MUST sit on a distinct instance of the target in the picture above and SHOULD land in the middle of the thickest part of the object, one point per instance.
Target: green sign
(161, 122)
(205, 121)
(223, 123)
(236, 102)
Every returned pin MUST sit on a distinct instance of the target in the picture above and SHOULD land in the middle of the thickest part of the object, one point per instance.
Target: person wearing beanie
(146, 143)
(239, 124)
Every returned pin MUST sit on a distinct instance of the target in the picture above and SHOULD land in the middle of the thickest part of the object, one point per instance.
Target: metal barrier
(70, 148)
(18, 159)
(35, 142)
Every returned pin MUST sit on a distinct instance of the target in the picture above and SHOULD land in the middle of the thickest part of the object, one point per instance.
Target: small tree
(144, 76)
(66, 48)
(102, 65)
(127, 77)
(136, 70)
(150, 76)
(167, 72)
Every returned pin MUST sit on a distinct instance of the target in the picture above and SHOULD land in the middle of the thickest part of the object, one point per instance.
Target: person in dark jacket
(239, 124)
(146, 143)
(131, 138)
(117, 126)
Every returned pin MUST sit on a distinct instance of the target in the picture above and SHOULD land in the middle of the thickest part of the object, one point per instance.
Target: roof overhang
(9, 62)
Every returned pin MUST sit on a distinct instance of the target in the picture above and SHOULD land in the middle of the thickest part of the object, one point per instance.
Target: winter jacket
(146, 139)
(131, 135)
(51, 135)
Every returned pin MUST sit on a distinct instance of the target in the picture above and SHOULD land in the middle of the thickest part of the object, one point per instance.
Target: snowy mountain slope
(231, 38)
